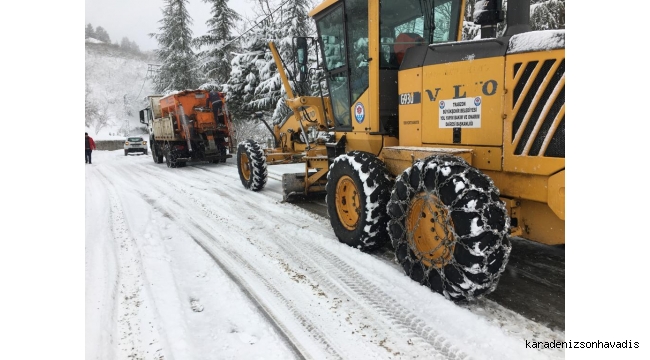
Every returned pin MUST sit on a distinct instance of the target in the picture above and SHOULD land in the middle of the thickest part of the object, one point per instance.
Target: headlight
(126, 143)
(144, 143)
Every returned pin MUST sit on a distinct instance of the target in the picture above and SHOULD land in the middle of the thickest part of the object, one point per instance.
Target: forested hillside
(117, 81)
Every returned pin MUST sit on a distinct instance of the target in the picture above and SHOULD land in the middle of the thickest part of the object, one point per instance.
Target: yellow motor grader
(443, 147)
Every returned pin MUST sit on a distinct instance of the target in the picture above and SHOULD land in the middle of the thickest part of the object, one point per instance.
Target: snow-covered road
(187, 264)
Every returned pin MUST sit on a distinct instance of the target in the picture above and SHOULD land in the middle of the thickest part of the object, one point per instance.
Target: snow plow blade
(294, 188)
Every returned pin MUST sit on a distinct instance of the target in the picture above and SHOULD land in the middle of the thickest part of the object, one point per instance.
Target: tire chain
(258, 167)
(449, 172)
(380, 181)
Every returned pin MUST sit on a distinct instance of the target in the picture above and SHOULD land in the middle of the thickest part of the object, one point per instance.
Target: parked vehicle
(135, 145)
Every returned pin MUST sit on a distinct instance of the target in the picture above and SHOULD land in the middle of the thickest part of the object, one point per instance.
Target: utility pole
(126, 119)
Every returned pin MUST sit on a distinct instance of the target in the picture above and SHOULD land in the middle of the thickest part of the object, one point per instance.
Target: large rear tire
(251, 163)
(449, 228)
(224, 153)
(358, 189)
(170, 157)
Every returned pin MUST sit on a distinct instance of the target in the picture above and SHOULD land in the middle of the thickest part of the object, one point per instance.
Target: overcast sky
(136, 19)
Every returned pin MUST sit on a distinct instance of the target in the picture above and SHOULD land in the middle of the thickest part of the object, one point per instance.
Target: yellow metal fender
(556, 194)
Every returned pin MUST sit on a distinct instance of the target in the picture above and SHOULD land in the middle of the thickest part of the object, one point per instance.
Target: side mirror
(258, 115)
(142, 117)
(301, 57)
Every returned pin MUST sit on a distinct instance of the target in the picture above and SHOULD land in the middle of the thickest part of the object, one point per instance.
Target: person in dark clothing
(216, 105)
(90, 146)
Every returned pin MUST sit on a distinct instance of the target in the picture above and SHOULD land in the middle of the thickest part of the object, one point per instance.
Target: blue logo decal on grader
(359, 112)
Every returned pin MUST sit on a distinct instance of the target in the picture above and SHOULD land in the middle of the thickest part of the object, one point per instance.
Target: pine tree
(547, 15)
(90, 32)
(270, 94)
(102, 35)
(216, 65)
(178, 69)
(125, 44)
(245, 71)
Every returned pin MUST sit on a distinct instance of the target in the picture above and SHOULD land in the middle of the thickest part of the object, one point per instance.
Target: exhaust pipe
(488, 14)
(518, 19)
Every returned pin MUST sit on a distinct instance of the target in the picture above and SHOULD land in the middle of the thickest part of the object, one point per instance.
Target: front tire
(449, 228)
(156, 151)
(358, 189)
(251, 163)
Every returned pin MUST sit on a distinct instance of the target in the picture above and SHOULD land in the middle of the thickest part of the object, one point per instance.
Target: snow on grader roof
(544, 40)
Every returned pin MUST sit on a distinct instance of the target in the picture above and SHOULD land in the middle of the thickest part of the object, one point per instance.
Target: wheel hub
(430, 230)
(348, 202)
(245, 166)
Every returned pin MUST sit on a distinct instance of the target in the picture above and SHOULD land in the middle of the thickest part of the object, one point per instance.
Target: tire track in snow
(221, 261)
(492, 311)
(354, 282)
(364, 290)
(131, 336)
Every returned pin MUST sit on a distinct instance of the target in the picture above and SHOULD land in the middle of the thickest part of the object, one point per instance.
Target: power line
(152, 68)
(251, 28)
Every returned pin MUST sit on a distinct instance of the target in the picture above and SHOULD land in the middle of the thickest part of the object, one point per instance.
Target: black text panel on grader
(442, 147)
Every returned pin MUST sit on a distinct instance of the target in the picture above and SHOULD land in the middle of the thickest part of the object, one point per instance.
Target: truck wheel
(170, 158)
(358, 189)
(224, 153)
(158, 155)
(251, 163)
(449, 228)
(156, 152)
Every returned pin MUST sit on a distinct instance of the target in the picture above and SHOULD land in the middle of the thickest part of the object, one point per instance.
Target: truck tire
(170, 157)
(251, 163)
(449, 228)
(223, 153)
(156, 152)
(358, 189)
(158, 159)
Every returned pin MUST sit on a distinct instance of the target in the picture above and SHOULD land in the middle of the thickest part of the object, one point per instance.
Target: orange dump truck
(191, 125)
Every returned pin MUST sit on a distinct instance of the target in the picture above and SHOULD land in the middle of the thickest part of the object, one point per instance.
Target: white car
(135, 144)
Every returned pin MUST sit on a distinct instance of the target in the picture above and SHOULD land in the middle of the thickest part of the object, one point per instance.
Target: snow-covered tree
(547, 15)
(293, 21)
(245, 73)
(215, 64)
(178, 70)
(544, 15)
(129, 45)
(92, 110)
(90, 32)
(102, 35)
